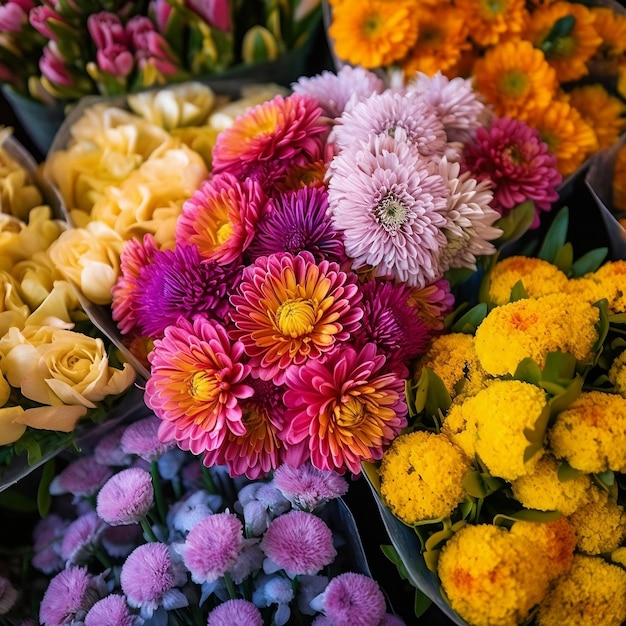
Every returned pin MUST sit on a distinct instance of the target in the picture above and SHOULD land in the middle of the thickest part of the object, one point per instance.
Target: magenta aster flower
(338, 92)
(212, 546)
(81, 537)
(179, 282)
(289, 310)
(150, 577)
(404, 117)
(435, 302)
(141, 438)
(299, 543)
(345, 407)
(82, 477)
(277, 133)
(235, 611)
(126, 497)
(196, 383)
(391, 208)
(110, 611)
(221, 216)
(392, 323)
(298, 221)
(518, 163)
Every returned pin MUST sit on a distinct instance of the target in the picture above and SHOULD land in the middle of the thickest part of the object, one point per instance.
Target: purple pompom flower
(8, 595)
(82, 478)
(47, 537)
(126, 497)
(111, 611)
(141, 439)
(81, 537)
(235, 611)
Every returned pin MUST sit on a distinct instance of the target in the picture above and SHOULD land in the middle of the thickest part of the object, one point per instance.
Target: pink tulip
(115, 59)
(12, 17)
(54, 70)
(162, 12)
(215, 12)
(39, 18)
(106, 29)
(150, 46)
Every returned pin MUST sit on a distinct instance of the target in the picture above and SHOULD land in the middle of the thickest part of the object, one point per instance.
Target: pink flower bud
(215, 12)
(12, 18)
(54, 70)
(39, 18)
(115, 59)
(150, 46)
(106, 29)
(162, 12)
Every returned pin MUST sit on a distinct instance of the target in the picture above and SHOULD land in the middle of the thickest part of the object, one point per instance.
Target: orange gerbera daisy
(605, 113)
(568, 136)
(565, 32)
(441, 40)
(516, 79)
(611, 27)
(492, 21)
(373, 33)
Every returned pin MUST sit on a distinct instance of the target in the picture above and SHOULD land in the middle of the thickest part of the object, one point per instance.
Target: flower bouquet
(57, 373)
(504, 497)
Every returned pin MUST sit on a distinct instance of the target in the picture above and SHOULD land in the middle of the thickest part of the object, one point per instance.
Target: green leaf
(528, 371)
(17, 501)
(559, 366)
(561, 28)
(562, 400)
(555, 237)
(516, 223)
(536, 434)
(518, 292)
(44, 498)
(527, 515)
(588, 262)
(606, 478)
(567, 472)
(470, 321)
(564, 258)
(421, 603)
(259, 44)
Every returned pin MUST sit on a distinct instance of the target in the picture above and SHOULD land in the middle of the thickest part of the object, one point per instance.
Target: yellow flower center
(514, 84)
(296, 317)
(350, 414)
(565, 47)
(391, 213)
(371, 25)
(493, 8)
(202, 386)
(224, 232)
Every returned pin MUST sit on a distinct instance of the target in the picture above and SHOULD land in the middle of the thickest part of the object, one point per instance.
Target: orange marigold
(492, 21)
(611, 27)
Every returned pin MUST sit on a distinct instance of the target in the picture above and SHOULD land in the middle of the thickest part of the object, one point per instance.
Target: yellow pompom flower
(585, 288)
(569, 52)
(515, 79)
(539, 278)
(373, 33)
(611, 276)
(492, 577)
(541, 488)
(491, 21)
(617, 374)
(593, 592)
(421, 474)
(600, 524)
(459, 426)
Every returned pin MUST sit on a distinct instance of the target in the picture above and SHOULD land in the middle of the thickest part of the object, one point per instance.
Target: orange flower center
(296, 317)
(224, 232)
(350, 413)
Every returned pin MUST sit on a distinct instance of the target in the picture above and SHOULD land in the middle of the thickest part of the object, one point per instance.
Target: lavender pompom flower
(112, 611)
(81, 537)
(47, 537)
(141, 439)
(236, 611)
(8, 595)
(82, 478)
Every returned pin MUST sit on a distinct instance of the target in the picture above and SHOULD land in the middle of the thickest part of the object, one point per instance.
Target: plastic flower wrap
(558, 66)
(139, 532)
(510, 473)
(56, 370)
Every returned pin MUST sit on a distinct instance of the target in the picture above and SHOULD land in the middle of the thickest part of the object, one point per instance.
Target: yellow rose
(60, 304)
(10, 429)
(69, 369)
(35, 277)
(40, 232)
(10, 229)
(13, 311)
(18, 195)
(90, 259)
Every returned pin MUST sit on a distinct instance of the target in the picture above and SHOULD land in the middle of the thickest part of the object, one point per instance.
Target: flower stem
(230, 586)
(147, 529)
(158, 490)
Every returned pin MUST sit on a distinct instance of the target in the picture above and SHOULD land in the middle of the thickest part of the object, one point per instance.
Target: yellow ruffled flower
(492, 577)
(591, 433)
(539, 278)
(542, 490)
(617, 374)
(531, 328)
(600, 524)
(13, 311)
(421, 474)
(593, 592)
(492, 21)
(611, 278)
(459, 426)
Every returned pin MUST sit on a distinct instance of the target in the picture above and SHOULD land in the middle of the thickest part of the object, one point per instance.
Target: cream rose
(10, 429)
(13, 311)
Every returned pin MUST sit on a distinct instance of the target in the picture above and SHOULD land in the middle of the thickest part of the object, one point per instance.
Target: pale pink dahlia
(391, 207)
(345, 407)
(196, 382)
(221, 216)
(518, 163)
(289, 310)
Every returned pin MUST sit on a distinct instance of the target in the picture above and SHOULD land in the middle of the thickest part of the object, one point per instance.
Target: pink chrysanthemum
(110, 611)
(391, 208)
(392, 323)
(72, 591)
(212, 546)
(345, 407)
(460, 108)
(135, 256)
(140, 438)
(470, 228)
(221, 217)
(289, 310)
(82, 477)
(518, 163)
(352, 598)
(435, 302)
(150, 577)
(298, 221)
(258, 450)
(179, 282)
(405, 117)
(270, 136)
(126, 497)
(235, 611)
(338, 92)
(196, 382)
(81, 537)
(306, 486)
(299, 543)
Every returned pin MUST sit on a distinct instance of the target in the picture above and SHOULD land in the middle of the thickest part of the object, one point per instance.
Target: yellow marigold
(441, 40)
(490, 576)
(617, 374)
(585, 288)
(515, 79)
(568, 54)
(593, 592)
(591, 433)
(453, 358)
(556, 540)
(568, 136)
(491, 21)
(373, 33)
(619, 556)
(619, 181)
(421, 475)
(605, 113)
(460, 426)
(539, 278)
(612, 280)
(541, 488)
(600, 524)
(533, 328)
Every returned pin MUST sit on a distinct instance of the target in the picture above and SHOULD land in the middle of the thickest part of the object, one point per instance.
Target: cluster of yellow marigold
(526, 57)
(569, 567)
